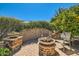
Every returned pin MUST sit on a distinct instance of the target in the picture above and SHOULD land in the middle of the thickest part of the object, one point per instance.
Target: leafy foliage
(9, 24)
(5, 52)
(39, 24)
(67, 20)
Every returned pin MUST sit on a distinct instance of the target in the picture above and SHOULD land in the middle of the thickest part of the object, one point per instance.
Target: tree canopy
(9, 24)
(67, 20)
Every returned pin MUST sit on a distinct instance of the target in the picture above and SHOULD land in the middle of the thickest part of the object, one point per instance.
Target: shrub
(5, 52)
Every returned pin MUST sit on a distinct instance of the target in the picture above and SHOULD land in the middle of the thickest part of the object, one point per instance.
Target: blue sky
(31, 11)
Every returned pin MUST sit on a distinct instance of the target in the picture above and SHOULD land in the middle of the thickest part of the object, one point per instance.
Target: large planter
(46, 46)
(14, 43)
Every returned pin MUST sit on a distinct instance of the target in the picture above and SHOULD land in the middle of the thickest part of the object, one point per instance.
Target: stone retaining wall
(35, 33)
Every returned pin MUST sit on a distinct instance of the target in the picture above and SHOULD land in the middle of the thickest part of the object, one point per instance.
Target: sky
(32, 11)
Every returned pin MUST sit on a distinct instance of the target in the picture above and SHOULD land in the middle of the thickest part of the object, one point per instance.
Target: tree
(67, 20)
(7, 25)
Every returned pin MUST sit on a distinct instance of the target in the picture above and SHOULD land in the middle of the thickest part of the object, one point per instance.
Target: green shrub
(5, 52)
(39, 24)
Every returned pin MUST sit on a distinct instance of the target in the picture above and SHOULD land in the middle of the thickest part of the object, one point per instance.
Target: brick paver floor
(28, 50)
(33, 50)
